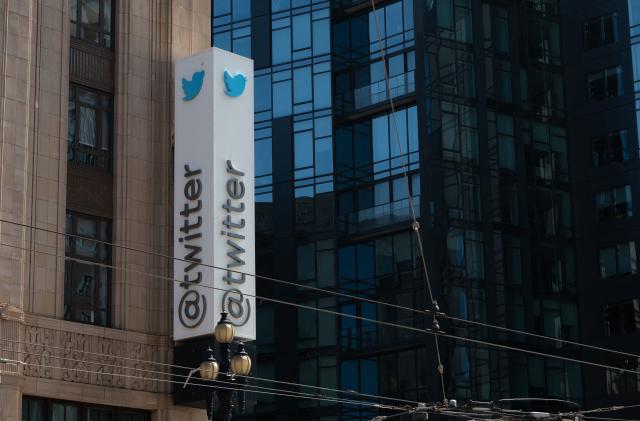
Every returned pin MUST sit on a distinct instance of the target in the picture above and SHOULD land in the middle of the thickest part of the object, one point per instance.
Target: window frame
(608, 315)
(605, 75)
(609, 151)
(75, 147)
(613, 207)
(119, 413)
(70, 251)
(617, 249)
(101, 33)
(599, 21)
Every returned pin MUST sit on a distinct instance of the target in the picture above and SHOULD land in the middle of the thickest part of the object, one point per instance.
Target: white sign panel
(214, 222)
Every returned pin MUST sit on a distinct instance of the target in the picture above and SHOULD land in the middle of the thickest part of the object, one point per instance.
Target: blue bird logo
(191, 88)
(234, 85)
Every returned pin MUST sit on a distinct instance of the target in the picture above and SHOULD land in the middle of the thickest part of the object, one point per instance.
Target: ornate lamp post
(232, 369)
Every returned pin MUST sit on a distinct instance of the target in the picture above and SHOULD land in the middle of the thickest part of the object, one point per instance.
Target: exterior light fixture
(224, 331)
(241, 362)
(209, 369)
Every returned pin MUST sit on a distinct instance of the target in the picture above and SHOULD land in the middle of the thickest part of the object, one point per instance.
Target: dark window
(87, 286)
(601, 31)
(611, 147)
(614, 203)
(454, 20)
(622, 318)
(92, 21)
(606, 83)
(619, 259)
(619, 382)
(556, 319)
(37, 409)
(89, 128)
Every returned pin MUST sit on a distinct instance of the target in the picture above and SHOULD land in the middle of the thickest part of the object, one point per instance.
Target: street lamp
(231, 371)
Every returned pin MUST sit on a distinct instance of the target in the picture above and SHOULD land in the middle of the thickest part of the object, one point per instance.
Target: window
(297, 34)
(459, 133)
(549, 377)
(604, 84)
(89, 128)
(454, 19)
(465, 251)
(502, 138)
(87, 286)
(393, 23)
(601, 31)
(610, 148)
(495, 23)
(614, 203)
(553, 269)
(457, 72)
(236, 13)
(622, 318)
(37, 409)
(91, 20)
(391, 144)
(556, 319)
(618, 260)
(546, 148)
(317, 371)
(543, 37)
(462, 195)
(316, 264)
(317, 328)
(619, 382)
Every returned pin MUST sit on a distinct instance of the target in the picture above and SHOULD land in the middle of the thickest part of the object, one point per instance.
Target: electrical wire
(289, 283)
(415, 224)
(246, 388)
(336, 313)
(535, 335)
(371, 396)
(312, 288)
(249, 387)
(609, 409)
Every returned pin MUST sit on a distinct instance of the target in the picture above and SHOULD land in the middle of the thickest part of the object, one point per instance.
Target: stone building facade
(59, 348)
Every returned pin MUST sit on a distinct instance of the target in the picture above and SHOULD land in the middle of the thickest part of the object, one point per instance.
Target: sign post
(214, 204)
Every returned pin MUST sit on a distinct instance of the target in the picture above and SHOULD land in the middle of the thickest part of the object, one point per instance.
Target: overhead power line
(336, 313)
(247, 388)
(134, 360)
(415, 224)
(303, 286)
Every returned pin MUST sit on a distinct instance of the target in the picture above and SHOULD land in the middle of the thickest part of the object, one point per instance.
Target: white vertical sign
(214, 219)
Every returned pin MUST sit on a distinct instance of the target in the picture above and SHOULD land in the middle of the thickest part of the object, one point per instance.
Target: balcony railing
(377, 92)
(379, 216)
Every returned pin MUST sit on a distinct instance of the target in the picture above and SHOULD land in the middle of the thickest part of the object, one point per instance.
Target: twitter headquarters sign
(214, 230)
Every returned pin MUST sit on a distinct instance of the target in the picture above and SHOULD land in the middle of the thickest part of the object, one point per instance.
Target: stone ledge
(9, 312)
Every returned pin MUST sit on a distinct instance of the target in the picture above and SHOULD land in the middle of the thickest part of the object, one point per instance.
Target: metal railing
(377, 92)
(379, 216)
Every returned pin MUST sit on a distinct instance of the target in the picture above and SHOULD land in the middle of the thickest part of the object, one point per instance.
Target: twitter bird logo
(234, 84)
(192, 87)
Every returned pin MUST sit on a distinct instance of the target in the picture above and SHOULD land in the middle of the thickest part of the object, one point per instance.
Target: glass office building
(514, 137)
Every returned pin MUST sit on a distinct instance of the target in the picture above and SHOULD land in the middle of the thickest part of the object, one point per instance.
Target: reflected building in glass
(514, 137)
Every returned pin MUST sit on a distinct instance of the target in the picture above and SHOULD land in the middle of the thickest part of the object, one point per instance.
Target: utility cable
(180, 376)
(415, 224)
(371, 396)
(241, 389)
(535, 335)
(294, 284)
(336, 313)
(589, 417)
(609, 409)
